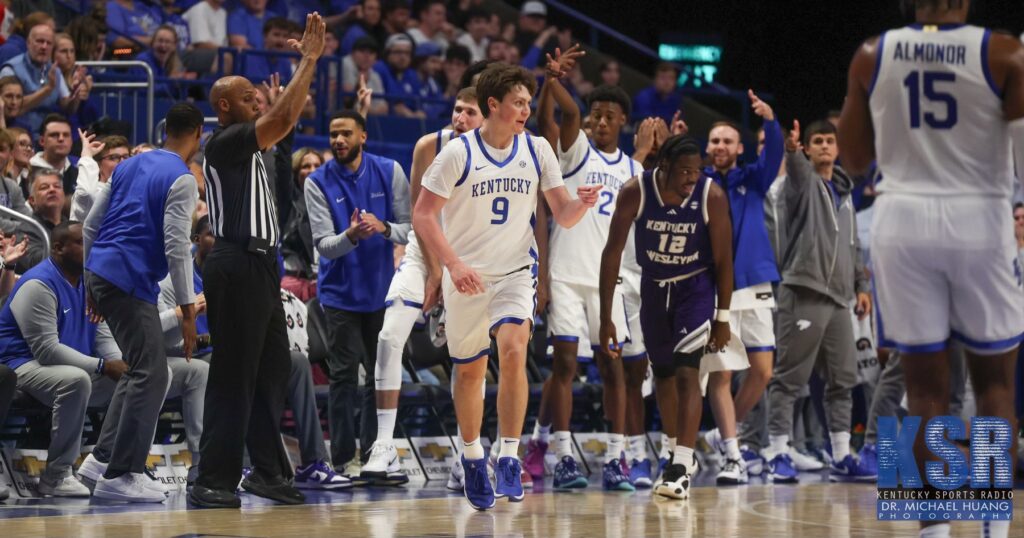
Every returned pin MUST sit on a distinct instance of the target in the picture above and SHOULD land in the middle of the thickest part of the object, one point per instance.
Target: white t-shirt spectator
(477, 52)
(350, 79)
(439, 39)
(207, 24)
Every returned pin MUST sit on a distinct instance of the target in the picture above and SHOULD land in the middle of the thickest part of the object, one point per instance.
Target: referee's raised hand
(312, 44)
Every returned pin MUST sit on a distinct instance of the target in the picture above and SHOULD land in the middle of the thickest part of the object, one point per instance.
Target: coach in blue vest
(137, 232)
(60, 356)
(358, 208)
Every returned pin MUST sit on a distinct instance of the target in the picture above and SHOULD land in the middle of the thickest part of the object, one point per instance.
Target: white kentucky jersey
(492, 199)
(576, 252)
(412, 249)
(937, 114)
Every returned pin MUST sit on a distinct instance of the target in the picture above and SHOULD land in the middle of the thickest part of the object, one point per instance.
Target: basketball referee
(249, 369)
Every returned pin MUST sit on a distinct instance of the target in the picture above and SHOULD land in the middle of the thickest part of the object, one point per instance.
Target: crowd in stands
(411, 56)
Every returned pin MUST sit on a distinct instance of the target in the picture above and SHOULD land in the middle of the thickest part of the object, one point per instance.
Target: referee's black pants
(352, 340)
(8, 384)
(249, 368)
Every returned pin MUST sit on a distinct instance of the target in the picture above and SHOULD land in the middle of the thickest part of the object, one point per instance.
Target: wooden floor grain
(818, 510)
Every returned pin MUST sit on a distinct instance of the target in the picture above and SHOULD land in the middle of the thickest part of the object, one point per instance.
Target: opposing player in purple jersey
(683, 236)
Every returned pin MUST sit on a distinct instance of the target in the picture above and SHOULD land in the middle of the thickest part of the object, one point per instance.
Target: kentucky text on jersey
(930, 53)
(501, 184)
(608, 180)
(672, 227)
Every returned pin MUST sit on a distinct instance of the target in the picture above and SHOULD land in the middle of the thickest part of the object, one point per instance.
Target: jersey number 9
(500, 209)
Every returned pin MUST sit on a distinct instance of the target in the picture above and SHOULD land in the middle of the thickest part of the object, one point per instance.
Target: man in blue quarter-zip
(61, 358)
(358, 207)
(755, 271)
(822, 274)
(137, 232)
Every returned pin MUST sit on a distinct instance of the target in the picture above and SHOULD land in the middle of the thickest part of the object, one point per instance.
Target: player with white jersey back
(940, 104)
(486, 187)
(405, 300)
(574, 262)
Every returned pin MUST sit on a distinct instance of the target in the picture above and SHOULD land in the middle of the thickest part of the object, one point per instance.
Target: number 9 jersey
(492, 199)
(937, 114)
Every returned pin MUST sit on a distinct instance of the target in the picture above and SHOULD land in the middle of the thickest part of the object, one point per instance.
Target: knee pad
(389, 365)
(688, 360)
(662, 370)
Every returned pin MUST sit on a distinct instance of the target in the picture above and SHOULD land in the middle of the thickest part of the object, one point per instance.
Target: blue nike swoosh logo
(479, 167)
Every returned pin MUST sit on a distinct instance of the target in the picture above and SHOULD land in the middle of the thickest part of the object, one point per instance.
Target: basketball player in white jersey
(405, 300)
(940, 105)
(574, 310)
(487, 184)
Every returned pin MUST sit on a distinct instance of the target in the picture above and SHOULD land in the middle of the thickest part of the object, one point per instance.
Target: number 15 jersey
(492, 199)
(937, 114)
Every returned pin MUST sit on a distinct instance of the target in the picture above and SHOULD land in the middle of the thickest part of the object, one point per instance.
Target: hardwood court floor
(812, 508)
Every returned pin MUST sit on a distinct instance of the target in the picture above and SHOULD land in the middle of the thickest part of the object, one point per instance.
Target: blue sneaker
(781, 469)
(568, 475)
(477, 486)
(613, 478)
(508, 477)
(869, 461)
(849, 470)
(752, 461)
(319, 475)
(640, 473)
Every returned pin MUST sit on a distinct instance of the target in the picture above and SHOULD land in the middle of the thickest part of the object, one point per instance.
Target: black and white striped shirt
(238, 192)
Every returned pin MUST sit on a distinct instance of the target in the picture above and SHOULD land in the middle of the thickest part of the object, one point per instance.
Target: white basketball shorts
(470, 319)
(574, 314)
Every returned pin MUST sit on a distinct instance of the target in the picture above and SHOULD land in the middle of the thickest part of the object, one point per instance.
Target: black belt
(255, 245)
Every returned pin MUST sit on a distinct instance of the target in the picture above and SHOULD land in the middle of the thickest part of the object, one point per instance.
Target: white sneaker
(353, 467)
(129, 487)
(732, 473)
(155, 483)
(64, 485)
(674, 482)
(91, 469)
(802, 462)
(383, 464)
(458, 474)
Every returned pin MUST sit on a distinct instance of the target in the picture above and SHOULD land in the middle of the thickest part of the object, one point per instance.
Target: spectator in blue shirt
(428, 66)
(662, 99)
(16, 43)
(13, 97)
(170, 15)
(399, 79)
(245, 25)
(162, 56)
(44, 87)
(259, 67)
(368, 23)
(130, 23)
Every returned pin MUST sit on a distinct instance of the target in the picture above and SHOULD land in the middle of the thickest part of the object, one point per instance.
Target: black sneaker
(275, 489)
(204, 497)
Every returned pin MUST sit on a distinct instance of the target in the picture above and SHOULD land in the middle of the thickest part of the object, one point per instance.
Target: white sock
(668, 446)
(509, 447)
(840, 445)
(614, 447)
(541, 433)
(473, 450)
(779, 444)
(637, 447)
(995, 529)
(563, 444)
(386, 424)
(732, 449)
(684, 456)
(935, 531)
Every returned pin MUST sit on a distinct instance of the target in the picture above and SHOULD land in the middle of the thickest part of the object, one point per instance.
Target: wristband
(721, 315)
(99, 369)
